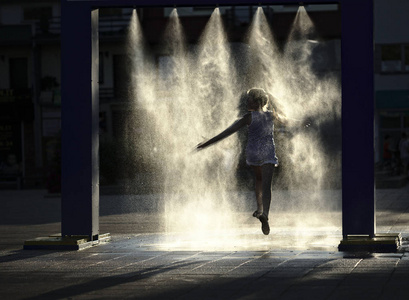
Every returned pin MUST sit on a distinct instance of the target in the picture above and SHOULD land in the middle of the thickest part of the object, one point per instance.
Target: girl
(260, 149)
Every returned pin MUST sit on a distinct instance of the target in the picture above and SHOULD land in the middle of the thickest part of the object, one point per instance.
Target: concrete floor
(298, 260)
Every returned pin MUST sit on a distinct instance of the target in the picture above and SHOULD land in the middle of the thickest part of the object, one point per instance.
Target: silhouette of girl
(260, 149)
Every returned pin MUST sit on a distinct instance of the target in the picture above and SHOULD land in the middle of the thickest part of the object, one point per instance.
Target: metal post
(358, 196)
(80, 114)
(358, 182)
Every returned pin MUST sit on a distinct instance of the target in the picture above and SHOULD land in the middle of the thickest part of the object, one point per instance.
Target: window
(391, 122)
(395, 121)
(391, 58)
(41, 14)
(37, 13)
(110, 12)
(394, 58)
(406, 122)
(18, 72)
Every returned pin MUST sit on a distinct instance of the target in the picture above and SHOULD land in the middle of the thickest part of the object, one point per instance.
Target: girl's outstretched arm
(245, 120)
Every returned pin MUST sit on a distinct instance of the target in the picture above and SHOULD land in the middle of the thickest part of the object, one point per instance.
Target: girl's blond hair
(260, 95)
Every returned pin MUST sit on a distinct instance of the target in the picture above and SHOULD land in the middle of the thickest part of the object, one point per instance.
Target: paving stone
(136, 265)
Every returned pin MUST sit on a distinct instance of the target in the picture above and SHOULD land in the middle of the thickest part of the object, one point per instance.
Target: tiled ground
(143, 262)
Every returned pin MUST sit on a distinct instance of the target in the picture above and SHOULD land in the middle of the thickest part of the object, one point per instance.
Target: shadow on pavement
(108, 281)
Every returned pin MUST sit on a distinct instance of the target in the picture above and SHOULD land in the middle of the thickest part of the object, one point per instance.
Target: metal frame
(80, 174)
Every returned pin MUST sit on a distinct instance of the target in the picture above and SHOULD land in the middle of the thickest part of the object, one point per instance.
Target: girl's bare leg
(267, 178)
(259, 188)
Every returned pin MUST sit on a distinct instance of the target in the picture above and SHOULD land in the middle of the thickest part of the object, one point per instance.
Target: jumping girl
(260, 149)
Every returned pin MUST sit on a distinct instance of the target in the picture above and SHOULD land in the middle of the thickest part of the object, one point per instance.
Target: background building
(391, 72)
(30, 103)
(29, 88)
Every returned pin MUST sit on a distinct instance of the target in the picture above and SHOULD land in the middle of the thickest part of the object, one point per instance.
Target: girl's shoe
(265, 227)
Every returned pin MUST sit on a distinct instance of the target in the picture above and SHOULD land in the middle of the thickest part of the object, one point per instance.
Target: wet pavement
(142, 261)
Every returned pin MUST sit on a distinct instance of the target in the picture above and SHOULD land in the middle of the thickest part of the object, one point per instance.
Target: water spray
(201, 192)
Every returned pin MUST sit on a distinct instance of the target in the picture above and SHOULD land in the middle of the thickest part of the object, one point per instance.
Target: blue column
(80, 115)
(358, 187)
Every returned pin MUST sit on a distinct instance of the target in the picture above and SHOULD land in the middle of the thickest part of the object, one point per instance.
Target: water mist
(197, 95)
